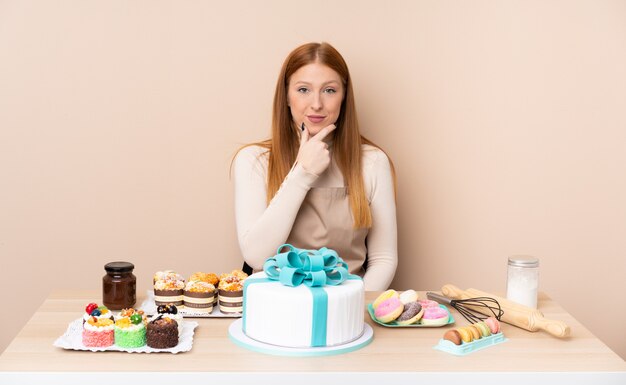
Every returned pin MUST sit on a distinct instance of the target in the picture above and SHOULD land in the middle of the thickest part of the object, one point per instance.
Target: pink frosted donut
(426, 303)
(435, 316)
(389, 310)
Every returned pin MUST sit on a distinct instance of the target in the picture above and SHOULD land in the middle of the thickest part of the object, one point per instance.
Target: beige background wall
(505, 120)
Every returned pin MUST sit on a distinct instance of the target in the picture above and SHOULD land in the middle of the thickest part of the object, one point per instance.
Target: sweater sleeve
(261, 228)
(382, 239)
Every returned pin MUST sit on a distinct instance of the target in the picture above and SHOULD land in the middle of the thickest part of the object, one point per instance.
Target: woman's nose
(316, 103)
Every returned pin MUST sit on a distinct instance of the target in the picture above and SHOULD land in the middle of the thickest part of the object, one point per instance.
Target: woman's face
(314, 96)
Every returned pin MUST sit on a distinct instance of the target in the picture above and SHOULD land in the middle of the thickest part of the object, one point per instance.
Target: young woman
(317, 182)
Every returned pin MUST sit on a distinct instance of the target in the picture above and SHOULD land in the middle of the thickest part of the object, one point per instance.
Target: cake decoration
(329, 301)
(171, 311)
(100, 312)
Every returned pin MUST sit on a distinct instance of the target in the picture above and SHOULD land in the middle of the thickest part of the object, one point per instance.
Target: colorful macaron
(470, 333)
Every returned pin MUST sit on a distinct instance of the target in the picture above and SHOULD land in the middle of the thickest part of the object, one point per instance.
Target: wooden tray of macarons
(405, 309)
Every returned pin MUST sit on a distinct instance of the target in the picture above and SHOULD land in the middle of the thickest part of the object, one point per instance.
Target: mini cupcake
(162, 332)
(169, 292)
(130, 332)
(198, 296)
(211, 278)
(170, 311)
(100, 312)
(230, 291)
(98, 332)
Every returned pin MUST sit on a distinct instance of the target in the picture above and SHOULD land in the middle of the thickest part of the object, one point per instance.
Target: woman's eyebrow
(323, 84)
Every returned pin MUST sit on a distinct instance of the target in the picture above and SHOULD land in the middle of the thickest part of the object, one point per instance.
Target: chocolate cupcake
(169, 292)
(198, 296)
(162, 333)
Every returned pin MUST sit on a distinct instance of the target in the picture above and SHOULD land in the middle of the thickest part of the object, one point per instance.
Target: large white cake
(285, 315)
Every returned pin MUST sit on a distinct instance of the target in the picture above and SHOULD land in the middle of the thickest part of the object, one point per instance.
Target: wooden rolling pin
(515, 314)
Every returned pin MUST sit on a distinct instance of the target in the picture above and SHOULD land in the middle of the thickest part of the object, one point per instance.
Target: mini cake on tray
(170, 311)
(130, 329)
(198, 296)
(169, 292)
(98, 332)
(211, 278)
(162, 332)
(230, 291)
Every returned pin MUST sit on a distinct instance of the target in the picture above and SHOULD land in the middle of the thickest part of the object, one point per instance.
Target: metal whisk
(467, 306)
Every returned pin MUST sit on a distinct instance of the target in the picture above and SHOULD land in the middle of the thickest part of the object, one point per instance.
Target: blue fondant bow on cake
(311, 267)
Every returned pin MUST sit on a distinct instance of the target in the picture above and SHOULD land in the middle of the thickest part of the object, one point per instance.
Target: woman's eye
(303, 90)
(330, 90)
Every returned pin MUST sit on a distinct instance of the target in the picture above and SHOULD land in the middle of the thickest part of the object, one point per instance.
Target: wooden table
(396, 355)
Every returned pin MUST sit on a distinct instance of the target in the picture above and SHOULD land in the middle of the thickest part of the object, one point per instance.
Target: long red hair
(347, 145)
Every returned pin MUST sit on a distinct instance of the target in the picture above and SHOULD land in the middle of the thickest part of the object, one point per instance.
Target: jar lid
(523, 261)
(119, 267)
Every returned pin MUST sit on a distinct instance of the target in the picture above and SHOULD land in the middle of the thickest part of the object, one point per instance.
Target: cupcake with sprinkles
(130, 329)
(98, 332)
(230, 292)
(100, 312)
(198, 296)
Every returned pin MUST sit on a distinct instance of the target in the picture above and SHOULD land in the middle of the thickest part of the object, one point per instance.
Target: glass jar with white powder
(523, 280)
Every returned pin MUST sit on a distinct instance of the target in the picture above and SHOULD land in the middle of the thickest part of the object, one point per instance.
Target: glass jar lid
(119, 267)
(523, 261)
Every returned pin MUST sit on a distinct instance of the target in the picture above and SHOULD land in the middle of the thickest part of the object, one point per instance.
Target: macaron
(388, 310)
(484, 329)
(435, 316)
(412, 313)
(453, 336)
(476, 334)
(409, 296)
(386, 295)
(466, 335)
(493, 324)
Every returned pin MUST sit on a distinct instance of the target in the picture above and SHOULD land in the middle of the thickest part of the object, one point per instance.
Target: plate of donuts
(394, 309)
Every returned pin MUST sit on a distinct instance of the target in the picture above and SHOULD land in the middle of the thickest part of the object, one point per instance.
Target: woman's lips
(315, 118)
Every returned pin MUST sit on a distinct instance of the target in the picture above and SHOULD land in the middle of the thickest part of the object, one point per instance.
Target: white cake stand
(236, 334)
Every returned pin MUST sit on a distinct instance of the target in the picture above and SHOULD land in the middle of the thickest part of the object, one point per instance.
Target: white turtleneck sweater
(262, 227)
